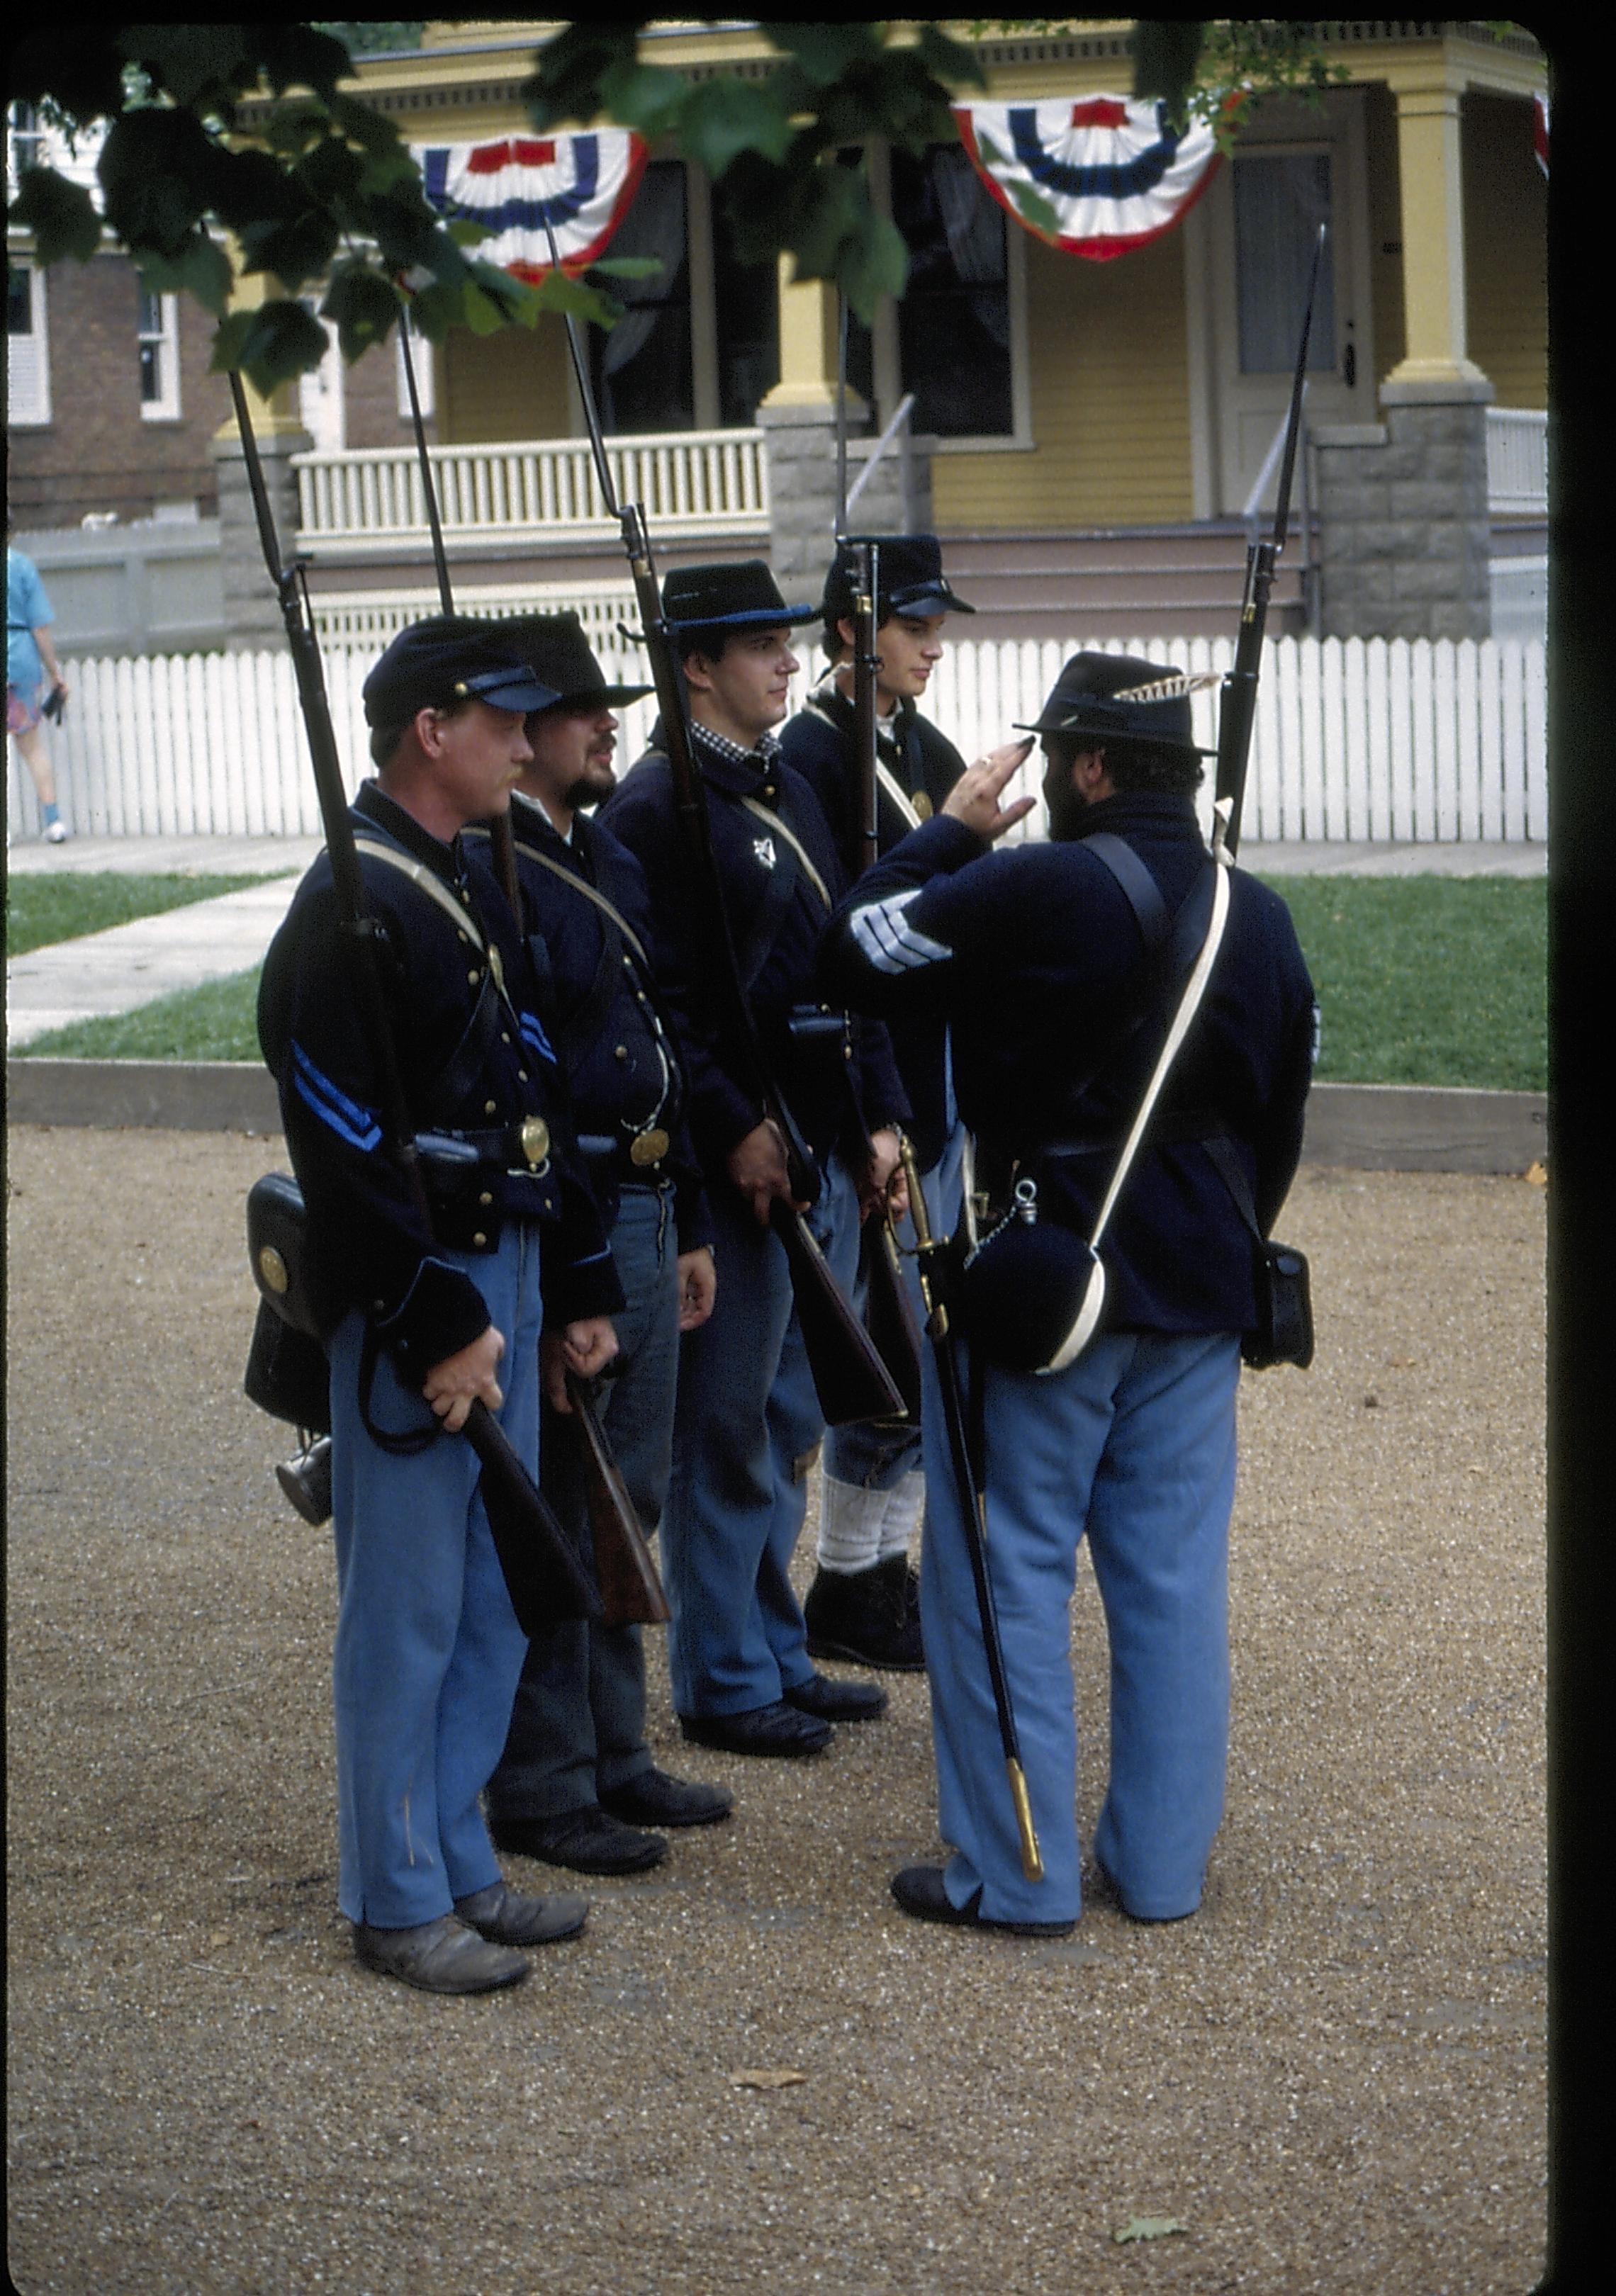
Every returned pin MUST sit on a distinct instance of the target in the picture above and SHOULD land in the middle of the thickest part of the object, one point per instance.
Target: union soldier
(425, 1320)
(747, 1421)
(576, 1785)
(1037, 958)
(863, 1602)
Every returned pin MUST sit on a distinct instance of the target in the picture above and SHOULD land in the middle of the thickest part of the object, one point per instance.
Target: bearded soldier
(1039, 959)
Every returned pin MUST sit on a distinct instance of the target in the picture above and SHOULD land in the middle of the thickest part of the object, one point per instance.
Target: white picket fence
(1411, 739)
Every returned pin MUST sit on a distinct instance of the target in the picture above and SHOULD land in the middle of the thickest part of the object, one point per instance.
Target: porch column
(798, 419)
(1433, 238)
(252, 615)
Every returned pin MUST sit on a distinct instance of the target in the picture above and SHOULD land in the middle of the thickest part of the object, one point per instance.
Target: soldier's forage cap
(909, 577)
(1100, 700)
(555, 650)
(741, 596)
(447, 658)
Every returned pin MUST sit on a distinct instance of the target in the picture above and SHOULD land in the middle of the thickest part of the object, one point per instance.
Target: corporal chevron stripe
(533, 1034)
(889, 942)
(346, 1118)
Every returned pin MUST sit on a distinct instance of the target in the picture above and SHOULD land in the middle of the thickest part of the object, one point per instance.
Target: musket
(849, 1379)
(631, 1587)
(616, 1525)
(544, 1576)
(1238, 712)
(973, 1518)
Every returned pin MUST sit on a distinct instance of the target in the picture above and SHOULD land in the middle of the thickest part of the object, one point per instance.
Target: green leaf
(575, 298)
(482, 313)
(1147, 2228)
(149, 166)
(61, 215)
(203, 270)
(193, 63)
(1166, 53)
(722, 117)
(294, 251)
(950, 61)
(566, 85)
(364, 306)
(825, 51)
(629, 267)
(82, 74)
(1034, 208)
(270, 345)
(646, 97)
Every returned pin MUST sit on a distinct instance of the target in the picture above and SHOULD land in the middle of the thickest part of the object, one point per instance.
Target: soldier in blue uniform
(1035, 956)
(862, 1604)
(426, 1319)
(748, 1423)
(576, 1785)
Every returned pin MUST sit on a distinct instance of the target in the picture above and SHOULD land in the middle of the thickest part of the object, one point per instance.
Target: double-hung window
(156, 330)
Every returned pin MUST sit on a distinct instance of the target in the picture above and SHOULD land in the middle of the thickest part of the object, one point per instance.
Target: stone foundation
(800, 445)
(1405, 539)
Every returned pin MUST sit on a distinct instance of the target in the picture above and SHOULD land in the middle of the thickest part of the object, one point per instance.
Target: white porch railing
(706, 483)
(1426, 741)
(1517, 462)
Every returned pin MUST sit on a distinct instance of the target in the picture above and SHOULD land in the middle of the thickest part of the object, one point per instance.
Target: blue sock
(52, 813)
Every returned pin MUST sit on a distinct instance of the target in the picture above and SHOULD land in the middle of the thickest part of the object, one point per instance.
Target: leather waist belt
(638, 1162)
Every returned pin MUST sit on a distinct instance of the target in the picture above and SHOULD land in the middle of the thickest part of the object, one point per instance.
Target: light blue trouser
(746, 1422)
(427, 1649)
(875, 1454)
(1135, 1445)
(578, 1726)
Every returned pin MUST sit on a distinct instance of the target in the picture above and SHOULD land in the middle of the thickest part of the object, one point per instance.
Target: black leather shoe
(440, 1957)
(919, 1890)
(838, 1701)
(868, 1617)
(590, 1840)
(503, 1917)
(777, 1729)
(654, 1798)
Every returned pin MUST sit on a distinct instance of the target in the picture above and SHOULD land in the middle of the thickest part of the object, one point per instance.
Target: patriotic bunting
(581, 185)
(1115, 173)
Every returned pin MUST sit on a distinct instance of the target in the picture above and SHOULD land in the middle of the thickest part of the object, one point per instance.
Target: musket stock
(631, 1587)
(545, 1580)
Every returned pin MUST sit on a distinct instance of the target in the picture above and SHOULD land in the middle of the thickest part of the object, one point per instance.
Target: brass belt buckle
(534, 1137)
(647, 1148)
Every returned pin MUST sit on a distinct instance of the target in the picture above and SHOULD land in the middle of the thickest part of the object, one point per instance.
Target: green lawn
(1420, 981)
(214, 1022)
(1427, 980)
(41, 911)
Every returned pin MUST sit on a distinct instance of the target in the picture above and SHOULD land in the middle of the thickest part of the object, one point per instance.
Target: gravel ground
(1331, 2080)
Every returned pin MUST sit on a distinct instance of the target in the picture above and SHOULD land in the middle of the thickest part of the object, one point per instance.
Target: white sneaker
(57, 833)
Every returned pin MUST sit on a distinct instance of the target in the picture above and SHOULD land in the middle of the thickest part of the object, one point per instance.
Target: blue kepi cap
(446, 658)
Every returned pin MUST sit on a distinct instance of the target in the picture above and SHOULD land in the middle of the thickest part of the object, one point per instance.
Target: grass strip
(1431, 980)
(214, 1022)
(42, 911)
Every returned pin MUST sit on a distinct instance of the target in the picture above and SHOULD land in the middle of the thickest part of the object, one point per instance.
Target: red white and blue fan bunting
(1115, 173)
(581, 185)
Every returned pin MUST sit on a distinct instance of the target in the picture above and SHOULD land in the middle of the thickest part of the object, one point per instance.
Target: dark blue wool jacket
(618, 1038)
(1034, 956)
(469, 1062)
(777, 919)
(818, 741)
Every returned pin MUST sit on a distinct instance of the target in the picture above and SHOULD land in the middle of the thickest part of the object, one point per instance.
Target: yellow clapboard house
(1085, 436)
